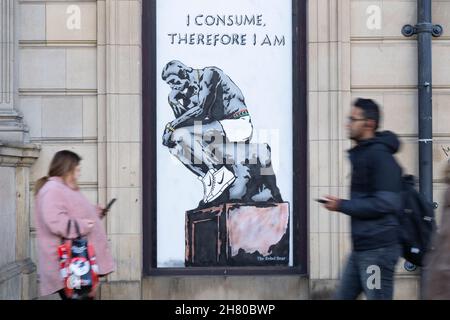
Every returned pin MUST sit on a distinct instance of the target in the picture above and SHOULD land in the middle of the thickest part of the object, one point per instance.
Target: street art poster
(224, 128)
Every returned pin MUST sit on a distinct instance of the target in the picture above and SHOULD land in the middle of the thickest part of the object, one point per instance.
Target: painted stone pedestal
(237, 234)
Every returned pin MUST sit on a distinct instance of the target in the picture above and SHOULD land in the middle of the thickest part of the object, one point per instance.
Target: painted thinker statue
(211, 135)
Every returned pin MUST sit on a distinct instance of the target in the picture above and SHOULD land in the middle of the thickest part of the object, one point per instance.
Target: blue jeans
(371, 272)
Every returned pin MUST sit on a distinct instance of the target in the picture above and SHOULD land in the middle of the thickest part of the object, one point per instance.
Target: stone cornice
(15, 155)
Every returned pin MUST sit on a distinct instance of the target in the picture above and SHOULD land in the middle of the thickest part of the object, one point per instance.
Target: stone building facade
(74, 85)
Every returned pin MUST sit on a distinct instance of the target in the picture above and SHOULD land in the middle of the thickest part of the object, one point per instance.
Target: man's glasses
(351, 119)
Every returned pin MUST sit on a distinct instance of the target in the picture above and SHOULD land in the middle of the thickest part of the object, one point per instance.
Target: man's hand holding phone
(330, 202)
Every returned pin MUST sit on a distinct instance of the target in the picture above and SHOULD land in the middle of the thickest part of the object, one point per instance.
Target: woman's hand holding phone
(108, 207)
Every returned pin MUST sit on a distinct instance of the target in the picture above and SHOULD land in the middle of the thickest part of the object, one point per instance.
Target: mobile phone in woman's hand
(108, 206)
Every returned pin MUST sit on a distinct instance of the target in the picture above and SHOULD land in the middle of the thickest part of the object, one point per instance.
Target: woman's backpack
(78, 267)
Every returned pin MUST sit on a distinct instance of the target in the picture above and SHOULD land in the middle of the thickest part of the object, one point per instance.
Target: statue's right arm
(207, 95)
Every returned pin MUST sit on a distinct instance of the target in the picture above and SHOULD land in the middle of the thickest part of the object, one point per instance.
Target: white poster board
(251, 42)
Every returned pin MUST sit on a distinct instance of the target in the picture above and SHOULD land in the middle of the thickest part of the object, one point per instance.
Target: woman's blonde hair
(63, 163)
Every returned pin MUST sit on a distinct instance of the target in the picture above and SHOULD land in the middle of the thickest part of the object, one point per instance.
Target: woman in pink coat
(58, 200)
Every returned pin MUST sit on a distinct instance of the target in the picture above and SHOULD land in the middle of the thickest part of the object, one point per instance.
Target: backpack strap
(77, 228)
(67, 231)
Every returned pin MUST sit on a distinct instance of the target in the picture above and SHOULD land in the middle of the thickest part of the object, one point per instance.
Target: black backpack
(417, 222)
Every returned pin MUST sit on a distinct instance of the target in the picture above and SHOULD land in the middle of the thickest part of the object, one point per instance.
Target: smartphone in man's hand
(322, 200)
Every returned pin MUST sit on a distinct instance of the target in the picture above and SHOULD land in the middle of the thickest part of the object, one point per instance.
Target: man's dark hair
(370, 110)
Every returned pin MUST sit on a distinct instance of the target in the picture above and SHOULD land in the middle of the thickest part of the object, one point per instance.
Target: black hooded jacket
(375, 192)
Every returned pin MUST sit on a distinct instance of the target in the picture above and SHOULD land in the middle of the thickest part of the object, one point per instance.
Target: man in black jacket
(373, 207)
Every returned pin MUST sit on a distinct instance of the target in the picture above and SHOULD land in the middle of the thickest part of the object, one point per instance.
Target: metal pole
(424, 34)
(424, 30)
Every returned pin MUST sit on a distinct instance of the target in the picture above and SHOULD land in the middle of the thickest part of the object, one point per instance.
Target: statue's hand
(177, 108)
(166, 139)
